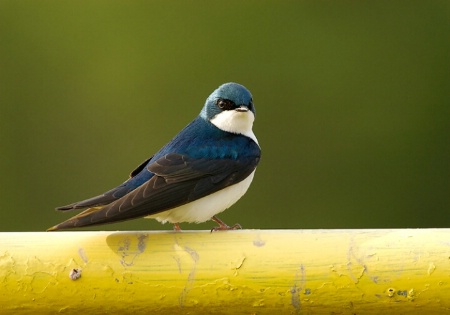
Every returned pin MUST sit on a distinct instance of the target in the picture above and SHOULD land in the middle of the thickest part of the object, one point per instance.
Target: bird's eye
(225, 104)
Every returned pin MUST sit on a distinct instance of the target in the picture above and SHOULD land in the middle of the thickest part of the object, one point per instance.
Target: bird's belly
(205, 208)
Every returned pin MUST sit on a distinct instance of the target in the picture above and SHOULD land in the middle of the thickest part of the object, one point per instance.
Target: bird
(206, 168)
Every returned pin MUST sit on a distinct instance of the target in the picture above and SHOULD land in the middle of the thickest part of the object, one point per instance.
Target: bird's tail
(81, 219)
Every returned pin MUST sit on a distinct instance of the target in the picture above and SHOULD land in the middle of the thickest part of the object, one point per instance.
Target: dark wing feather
(141, 166)
(109, 196)
(178, 180)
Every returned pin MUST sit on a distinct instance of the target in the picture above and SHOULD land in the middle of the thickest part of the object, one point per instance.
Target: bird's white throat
(236, 122)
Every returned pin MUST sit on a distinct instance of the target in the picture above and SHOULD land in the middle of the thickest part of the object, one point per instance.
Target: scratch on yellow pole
(232, 272)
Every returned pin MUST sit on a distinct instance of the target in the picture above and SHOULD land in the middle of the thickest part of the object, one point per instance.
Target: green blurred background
(352, 99)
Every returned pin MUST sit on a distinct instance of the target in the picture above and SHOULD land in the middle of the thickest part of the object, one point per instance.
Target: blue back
(200, 139)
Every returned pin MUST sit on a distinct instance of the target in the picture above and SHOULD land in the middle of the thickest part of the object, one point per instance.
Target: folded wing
(178, 179)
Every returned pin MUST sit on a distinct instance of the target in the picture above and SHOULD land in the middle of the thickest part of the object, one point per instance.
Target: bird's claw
(223, 226)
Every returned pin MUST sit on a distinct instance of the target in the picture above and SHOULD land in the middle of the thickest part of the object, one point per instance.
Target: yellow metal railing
(232, 272)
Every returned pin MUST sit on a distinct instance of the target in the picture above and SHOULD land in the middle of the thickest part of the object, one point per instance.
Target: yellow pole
(232, 272)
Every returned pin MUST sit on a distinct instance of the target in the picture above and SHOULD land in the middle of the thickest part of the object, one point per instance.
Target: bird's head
(230, 108)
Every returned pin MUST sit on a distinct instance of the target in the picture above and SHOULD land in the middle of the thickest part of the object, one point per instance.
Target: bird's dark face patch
(225, 104)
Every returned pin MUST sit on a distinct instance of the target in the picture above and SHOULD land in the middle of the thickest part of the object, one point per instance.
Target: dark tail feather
(82, 219)
(68, 207)
(99, 200)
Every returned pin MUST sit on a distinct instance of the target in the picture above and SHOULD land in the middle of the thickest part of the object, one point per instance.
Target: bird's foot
(176, 227)
(223, 226)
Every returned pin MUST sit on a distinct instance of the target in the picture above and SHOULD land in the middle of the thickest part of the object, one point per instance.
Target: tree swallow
(201, 172)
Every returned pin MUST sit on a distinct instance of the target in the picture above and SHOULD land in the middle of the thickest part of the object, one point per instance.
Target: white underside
(205, 208)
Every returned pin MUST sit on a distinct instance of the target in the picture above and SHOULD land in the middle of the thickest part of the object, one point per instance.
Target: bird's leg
(176, 227)
(223, 226)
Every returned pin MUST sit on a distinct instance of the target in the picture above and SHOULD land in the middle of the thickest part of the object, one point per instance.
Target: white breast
(205, 208)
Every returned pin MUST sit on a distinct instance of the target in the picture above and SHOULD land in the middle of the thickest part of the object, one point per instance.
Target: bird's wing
(109, 196)
(178, 180)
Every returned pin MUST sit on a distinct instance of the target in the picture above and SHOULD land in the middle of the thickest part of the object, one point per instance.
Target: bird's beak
(242, 109)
